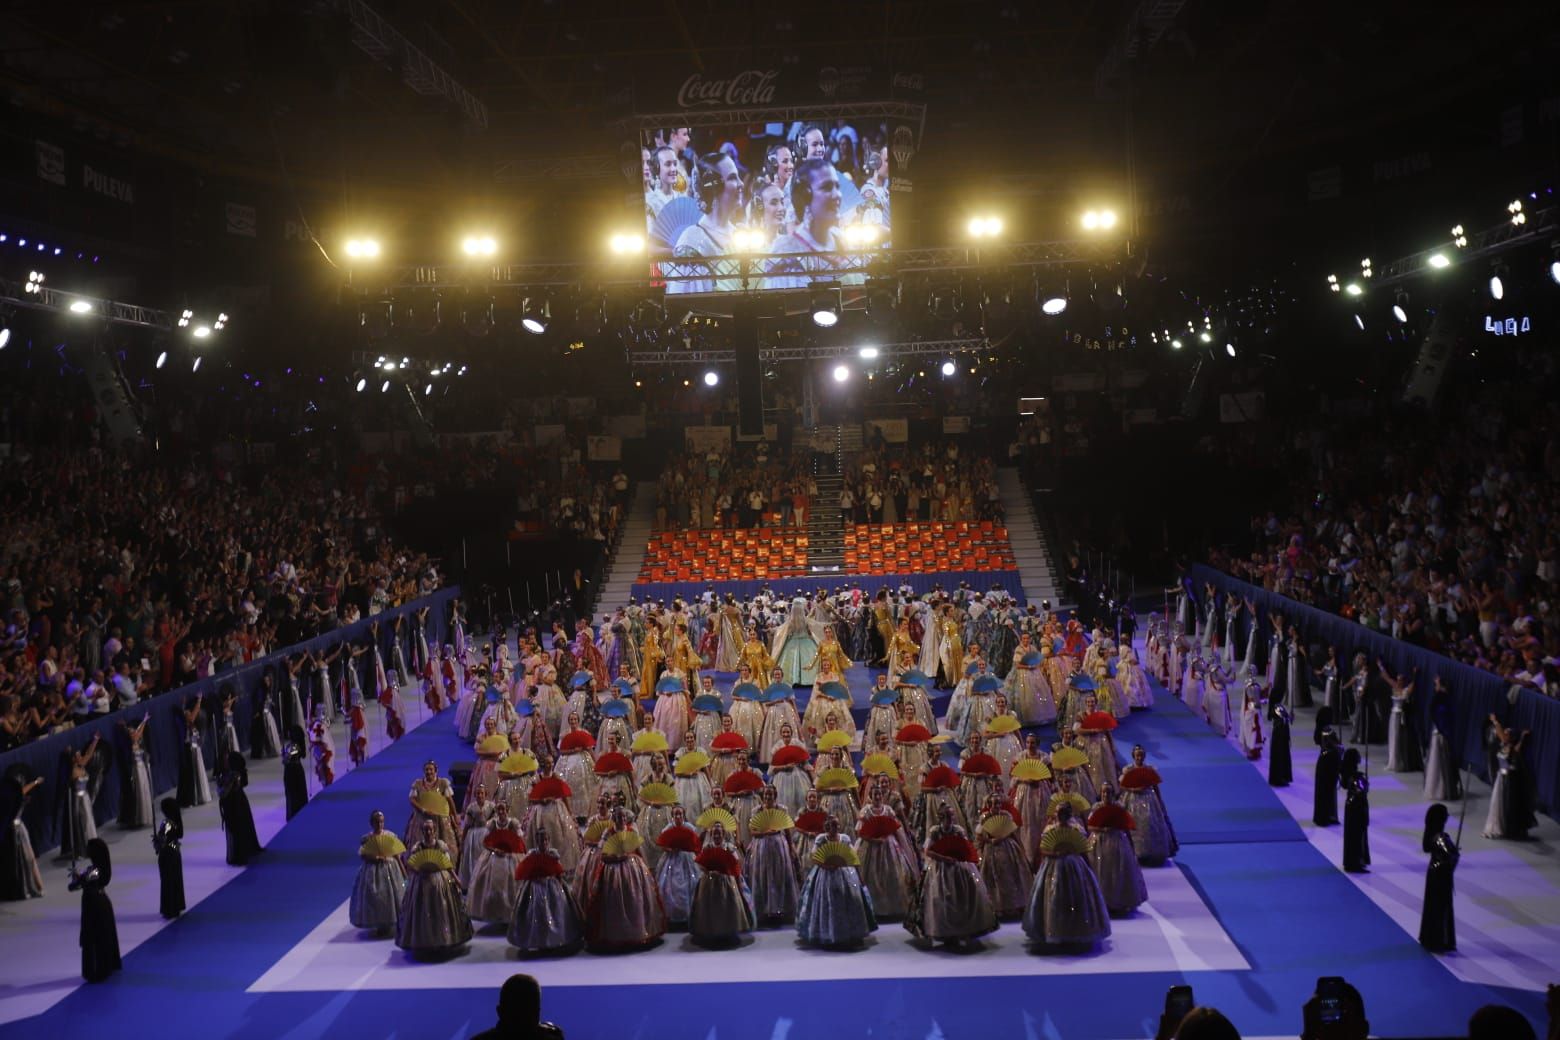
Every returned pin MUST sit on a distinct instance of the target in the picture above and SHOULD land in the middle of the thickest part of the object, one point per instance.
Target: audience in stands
(1440, 532)
(896, 483)
(115, 587)
(722, 488)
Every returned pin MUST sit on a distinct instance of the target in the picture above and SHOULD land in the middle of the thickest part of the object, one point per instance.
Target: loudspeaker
(750, 372)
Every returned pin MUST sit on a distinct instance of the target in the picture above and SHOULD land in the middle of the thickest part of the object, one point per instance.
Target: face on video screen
(772, 190)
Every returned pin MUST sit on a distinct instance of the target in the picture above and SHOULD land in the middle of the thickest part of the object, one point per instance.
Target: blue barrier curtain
(164, 733)
(1476, 694)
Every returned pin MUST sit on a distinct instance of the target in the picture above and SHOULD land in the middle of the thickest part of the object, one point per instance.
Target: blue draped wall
(980, 581)
(1476, 694)
(165, 732)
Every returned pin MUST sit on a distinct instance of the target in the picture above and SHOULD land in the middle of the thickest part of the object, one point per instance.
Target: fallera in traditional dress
(547, 918)
(494, 886)
(1004, 865)
(1066, 907)
(951, 903)
(138, 809)
(773, 874)
(1115, 860)
(884, 869)
(722, 909)
(677, 873)
(549, 822)
(835, 908)
(624, 908)
(477, 818)
(433, 919)
(380, 884)
(1153, 837)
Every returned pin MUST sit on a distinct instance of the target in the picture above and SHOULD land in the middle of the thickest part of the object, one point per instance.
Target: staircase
(825, 529)
(623, 569)
(1035, 566)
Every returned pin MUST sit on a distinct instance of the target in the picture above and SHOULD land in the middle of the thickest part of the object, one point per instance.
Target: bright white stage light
(1439, 260)
(1399, 313)
(362, 248)
(711, 378)
(195, 367)
(841, 373)
(1497, 288)
(626, 244)
(1175, 344)
(868, 353)
(82, 306)
(201, 331)
(5, 337)
(362, 384)
(479, 245)
(949, 368)
(1054, 305)
(533, 325)
(1205, 337)
(162, 359)
(1554, 271)
(1353, 289)
(384, 387)
(1359, 322)
(428, 390)
(1229, 348)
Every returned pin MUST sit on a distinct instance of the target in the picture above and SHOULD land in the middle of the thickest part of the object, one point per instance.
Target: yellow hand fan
(493, 744)
(520, 763)
(655, 793)
(1063, 841)
(1068, 758)
(998, 826)
(835, 854)
(433, 802)
(691, 763)
(768, 821)
(837, 779)
(834, 738)
(596, 829)
(623, 843)
(1030, 769)
(649, 740)
(713, 815)
(377, 846)
(429, 861)
(1002, 725)
(878, 763)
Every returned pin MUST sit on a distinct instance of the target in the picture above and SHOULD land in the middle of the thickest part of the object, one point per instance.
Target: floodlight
(841, 373)
(711, 378)
(949, 368)
(1439, 260)
(162, 359)
(80, 306)
(826, 308)
(868, 353)
(1054, 305)
(201, 331)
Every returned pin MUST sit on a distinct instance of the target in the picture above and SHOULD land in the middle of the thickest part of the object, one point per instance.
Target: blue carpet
(1293, 916)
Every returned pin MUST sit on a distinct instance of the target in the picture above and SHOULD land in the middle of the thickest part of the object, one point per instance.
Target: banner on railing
(894, 431)
(956, 424)
(707, 438)
(603, 448)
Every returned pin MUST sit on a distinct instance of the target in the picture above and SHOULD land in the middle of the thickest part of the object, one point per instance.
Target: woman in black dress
(243, 844)
(1356, 814)
(170, 860)
(1324, 812)
(295, 781)
(1281, 771)
(99, 935)
(1437, 923)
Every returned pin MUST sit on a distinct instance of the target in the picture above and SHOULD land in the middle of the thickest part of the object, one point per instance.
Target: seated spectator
(520, 1013)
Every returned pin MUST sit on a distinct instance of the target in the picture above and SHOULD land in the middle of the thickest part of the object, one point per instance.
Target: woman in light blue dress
(795, 646)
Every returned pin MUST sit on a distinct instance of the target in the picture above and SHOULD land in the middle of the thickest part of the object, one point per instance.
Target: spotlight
(387, 365)
(1439, 260)
(80, 307)
(196, 367)
(868, 353)
(222, 320)
(384, 387)
(1175, 344)
(1332, 283)
(856, 236)
(362, 384)
(1518, 218)
(479, 245)
(1206, 337)
(1459, 239)
(362, 248)
(985, 227)
(534, 320)
(428, 390)
(826, 308)
(1400, 308)
(1497, 289)
(744, 240)
(201, 331)
(35, 281)
(1353, 289)
(841, 373)
(1554, 271)
(1229, 348)
(162, 359)
(1365, 268)
(949, 368)
(626, 244)
(711, 378)
(1099, 220)
(1053, 305)
(1359, 322)
(5, 338)
(184, 317)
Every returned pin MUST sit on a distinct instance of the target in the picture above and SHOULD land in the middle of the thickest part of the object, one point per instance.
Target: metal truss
(384, 43)
(886, 263)
(112, 311)
(1488, 242)
(807, 352)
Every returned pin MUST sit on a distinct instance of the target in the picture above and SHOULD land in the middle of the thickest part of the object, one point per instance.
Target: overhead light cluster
(35, 281)
(1098, 220)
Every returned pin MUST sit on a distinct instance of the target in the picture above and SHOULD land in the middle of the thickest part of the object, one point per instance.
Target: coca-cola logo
(753, 87)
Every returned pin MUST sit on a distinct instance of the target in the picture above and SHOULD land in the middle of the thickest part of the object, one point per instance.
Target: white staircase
(1035, 568)
(623, 570)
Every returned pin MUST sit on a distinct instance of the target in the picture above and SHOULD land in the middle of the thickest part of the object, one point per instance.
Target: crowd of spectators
(896, 483)
(1437, 530)
(725, 488)
(126, 574)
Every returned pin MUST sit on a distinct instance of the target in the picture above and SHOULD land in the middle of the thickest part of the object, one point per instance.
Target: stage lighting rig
(363, 248)
(985, 227)
(479, 246)
(1098, 220)
(826, 307)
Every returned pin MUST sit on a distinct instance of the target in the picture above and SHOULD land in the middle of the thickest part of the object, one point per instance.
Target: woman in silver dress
(432, 920)
(835, 909)
(1113, 857)
(773, 872)
(951, 904)
(137, 809)
(381, 879)
(722, 909)
(547, 917)
(1066, 907)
